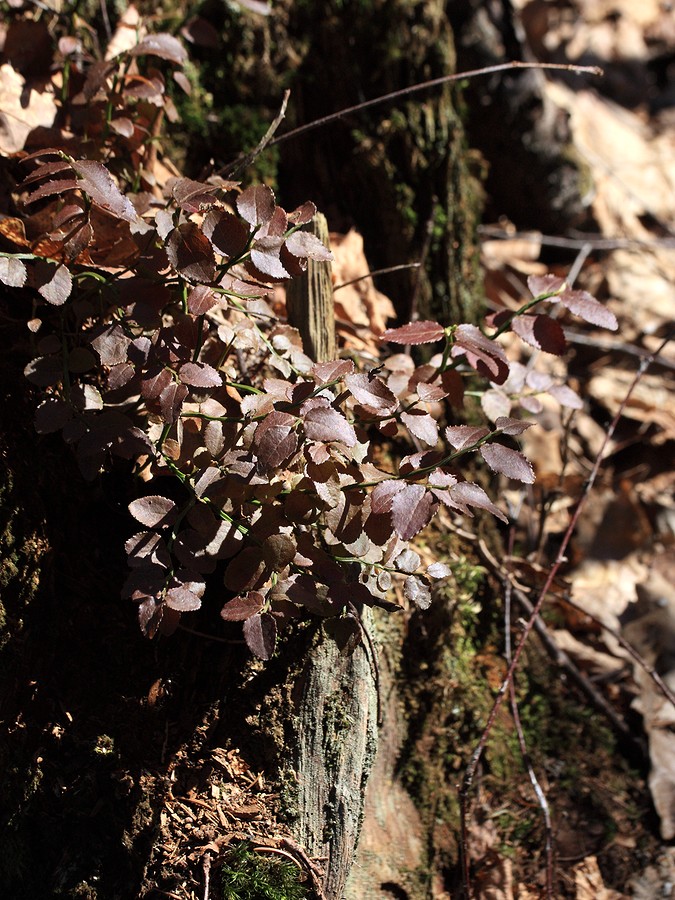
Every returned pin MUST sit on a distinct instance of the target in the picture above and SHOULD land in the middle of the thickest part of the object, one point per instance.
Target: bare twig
(515, 712)
(386, 271)
(425, 85)
(244, 161)
(472, 766)
(207, 875)
(596, 241)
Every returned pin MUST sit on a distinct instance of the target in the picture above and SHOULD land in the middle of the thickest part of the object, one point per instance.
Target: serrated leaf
(260, 634)
(191, 254)
(96, 181)
(227, 233)
(147, 548)
(422, 425)
(383, 494)
(201, 299)
(544, 284)
(414, 333)
(411, 509)
(242, 607)
(512, 426)
(439, 570)
(182, 599)
(306, 245)
(466, 494)
(166, 46)
(199, 375)
(462, 436)
(193, 196)
(582, 304)
(171, 401)
(112, 345)
(154, 511)
(508, 462)
(371, 392)
(326, 372)
(265, 257)
(50, 188)
(408, 561)
(12, 272)
(487, 357)
(275, 441)
(303, 214)
(541, 332)
(256, 204)
(54, 283)
(323, 423)
(416, 591)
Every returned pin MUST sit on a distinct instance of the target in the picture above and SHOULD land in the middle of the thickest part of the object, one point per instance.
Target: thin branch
(244, 161)
(467, 782)
(425, 85)
(596, 241)
(386, 271)
(630, 649)
(515, 712)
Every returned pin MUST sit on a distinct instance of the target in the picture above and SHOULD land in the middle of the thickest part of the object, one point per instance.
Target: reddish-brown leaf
(193, 196)
(541, 332)
(246, 571)
(260, 634)
(303, 214)
(166, 46)
(96, 181)
(412, 508)
(371, 392)
(512, 426)
(566, 396)
(201, 299)
(154, 511)
(171, 401)
(242, 607)
(199, 375)
(323, 423)
(256, 204)
(545, 284)
(462, 436)
(306, 245)
(191, 254)
(112, 345)
(265, 257)
(275, 441)
(508, 462)
(383, 494)
(466, 494)
(414, 333)
(487, 357)
(227, 233)
(422, 425)
(326, 372)
(182, 599)
(278, 551)
(582, 304)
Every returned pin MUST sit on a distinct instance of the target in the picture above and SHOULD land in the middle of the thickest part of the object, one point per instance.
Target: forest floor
(151, 770)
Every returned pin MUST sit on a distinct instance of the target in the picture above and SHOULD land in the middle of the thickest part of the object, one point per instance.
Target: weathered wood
(337, 739)
(309, 301)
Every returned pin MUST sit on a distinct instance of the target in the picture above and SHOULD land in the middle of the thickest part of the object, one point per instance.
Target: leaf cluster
(157, 341)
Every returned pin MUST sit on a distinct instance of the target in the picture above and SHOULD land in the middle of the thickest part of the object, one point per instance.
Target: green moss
(249, 875)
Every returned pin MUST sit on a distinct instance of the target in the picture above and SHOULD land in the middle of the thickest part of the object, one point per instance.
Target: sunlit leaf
(545, 284)
(414, 333)
(411, 509)
(256, 204)
(307, 245)
(12, 272)
(96, 181)
(582, 304)
(242, 607)
(416, 591)
(154, 511)
(541, 332)
(166, 46)
(372, 392)
(323, 423)
(191, 254)
(508, 462)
